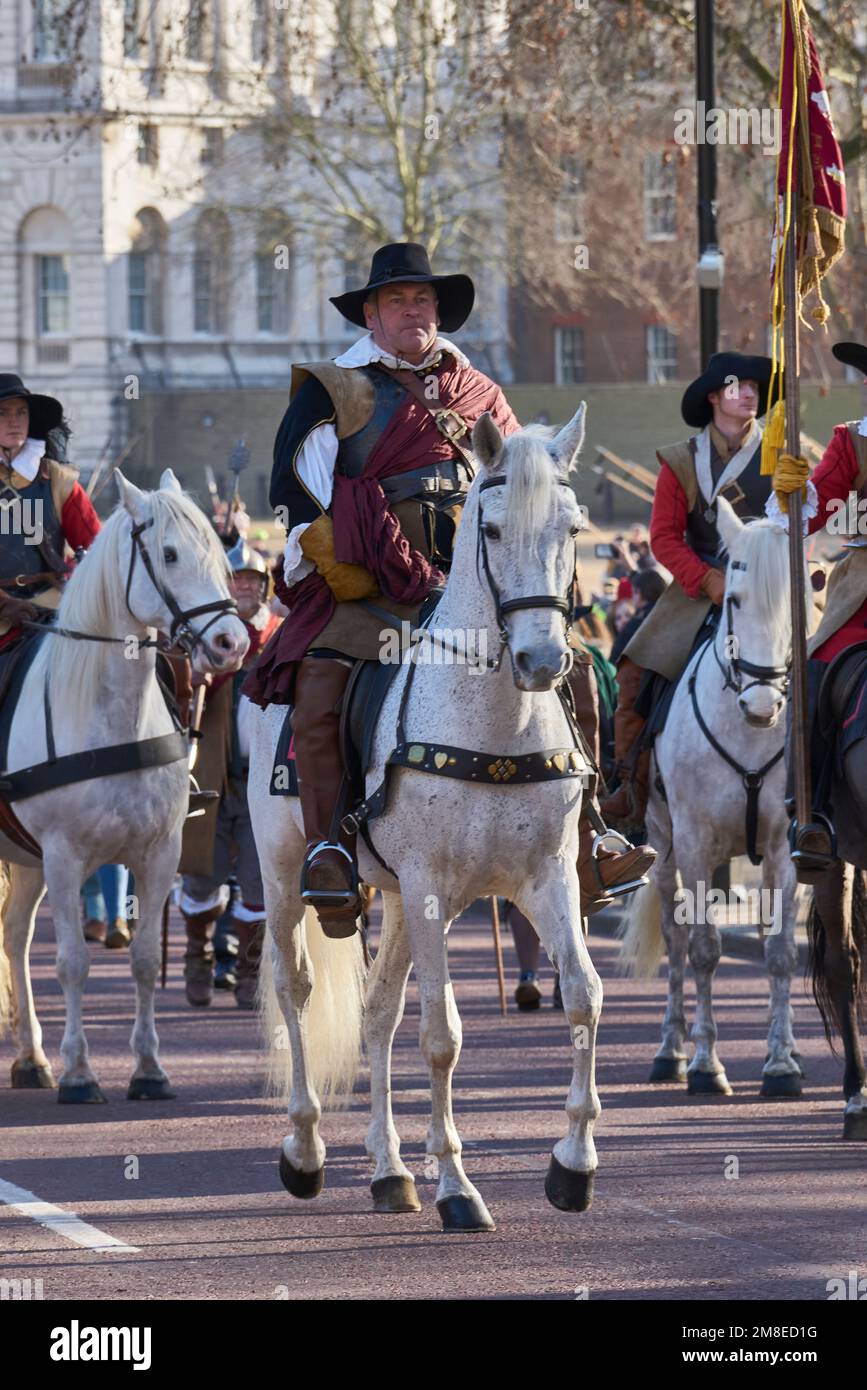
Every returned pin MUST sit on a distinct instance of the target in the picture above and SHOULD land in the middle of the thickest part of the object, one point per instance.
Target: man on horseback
(723, 459)
(836, 494)
(48, 508)
(371, 468)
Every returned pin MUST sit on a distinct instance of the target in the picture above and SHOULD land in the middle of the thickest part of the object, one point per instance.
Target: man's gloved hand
(713, 586)
(15, 610)
(790, 475)
(346, 582)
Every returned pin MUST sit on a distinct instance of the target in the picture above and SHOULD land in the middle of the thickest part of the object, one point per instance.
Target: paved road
(208, 1218)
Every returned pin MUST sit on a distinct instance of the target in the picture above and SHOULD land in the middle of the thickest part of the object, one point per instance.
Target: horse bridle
(504, 607)
(734, 666)
(181, 633)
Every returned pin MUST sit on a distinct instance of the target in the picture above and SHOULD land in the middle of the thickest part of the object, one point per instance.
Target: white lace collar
(365, 351)
(28, 460)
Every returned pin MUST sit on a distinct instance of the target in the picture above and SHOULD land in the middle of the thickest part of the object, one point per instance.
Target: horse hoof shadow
(394, 1194)
(80, 1093)
(787, 1084)
(707, 1083)
(29, 1076)
(464, 1214)
(297, 1182)
(150, 1088)
(855, 1125)
(566, 1189)
(668, 1069)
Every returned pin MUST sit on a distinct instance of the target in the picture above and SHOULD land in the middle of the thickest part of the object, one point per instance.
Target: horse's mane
(94, 600)
(768, 575)
(531, 479)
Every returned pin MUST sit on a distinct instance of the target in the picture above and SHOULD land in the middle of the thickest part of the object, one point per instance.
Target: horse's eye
(492, 532)
(575, 530)
(170, 555)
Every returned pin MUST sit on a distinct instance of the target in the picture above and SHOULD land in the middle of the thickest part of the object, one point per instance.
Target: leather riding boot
(608, 873)
(329, 879)
(627, 805)
(585, 695)
(250, 935)
(199, 956)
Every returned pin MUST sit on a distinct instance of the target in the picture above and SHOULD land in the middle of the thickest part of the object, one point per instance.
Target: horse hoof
(80, 1093)
(668, 1069)
(566, 1189)
(464, 1214)
(787, 1083)
(855, 1125)
(394, 1194)
(150, 1088)
(29, 1076)
(299, 1183)
(707, 1083)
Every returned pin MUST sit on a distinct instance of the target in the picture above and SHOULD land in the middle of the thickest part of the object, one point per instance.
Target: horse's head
(528, 521)
(175, 574)
(755, 637)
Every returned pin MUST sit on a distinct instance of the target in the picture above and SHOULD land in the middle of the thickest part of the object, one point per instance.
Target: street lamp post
(709, 272)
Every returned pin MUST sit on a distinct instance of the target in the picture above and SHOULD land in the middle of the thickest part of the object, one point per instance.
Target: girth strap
(93, 762)
(752, 780)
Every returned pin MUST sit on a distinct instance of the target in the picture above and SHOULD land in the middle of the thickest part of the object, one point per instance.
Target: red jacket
(834, 480)
(667, 527)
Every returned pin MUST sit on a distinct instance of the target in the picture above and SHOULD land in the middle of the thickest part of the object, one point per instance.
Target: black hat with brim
(852, 354)
(695, 407)
(405, 262)
(45, 411)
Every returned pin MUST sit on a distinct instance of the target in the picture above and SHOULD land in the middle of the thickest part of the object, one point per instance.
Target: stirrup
(609, 891)
(811, 861)
(329, 897)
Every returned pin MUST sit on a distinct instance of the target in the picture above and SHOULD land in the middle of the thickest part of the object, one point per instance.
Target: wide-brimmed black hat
(853, 354)
(406, 261)
(695, 407)
(45, 411)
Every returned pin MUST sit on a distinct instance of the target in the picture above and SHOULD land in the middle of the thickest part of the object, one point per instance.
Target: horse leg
(31, 1068)
(153, 881)
(459, 1204)
(781, 1074)
(64, 877)
(393, 1186)
(705, 1074)
(302, 1155)
(835, 970)
(669, 1064)
(552, 903)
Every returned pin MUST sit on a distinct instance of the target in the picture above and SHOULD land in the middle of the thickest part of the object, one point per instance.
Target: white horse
(449, 842)
(735, 687)
(155, 565)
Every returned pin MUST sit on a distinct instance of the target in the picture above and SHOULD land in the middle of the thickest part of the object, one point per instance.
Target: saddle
(841, 709)
(15, 661)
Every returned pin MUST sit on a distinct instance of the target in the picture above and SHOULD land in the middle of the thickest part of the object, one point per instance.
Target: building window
(53, 295)
(146, 272)
(259, 31)
(132, 35)
(212, 145)
(569, 204)
(660, 198)
(138, 292)
(568, 355)
(274, 269)
(51, 20)
(147, 150)
(203, 297)
(212, 260)
(194, 30)
(661, 354)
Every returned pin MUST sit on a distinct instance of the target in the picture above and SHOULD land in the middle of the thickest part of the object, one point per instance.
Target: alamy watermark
(441, 646)
(739, 125)
(740, 906)
(23, 517)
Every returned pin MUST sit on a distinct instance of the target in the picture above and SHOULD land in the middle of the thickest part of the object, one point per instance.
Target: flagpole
(797, 586)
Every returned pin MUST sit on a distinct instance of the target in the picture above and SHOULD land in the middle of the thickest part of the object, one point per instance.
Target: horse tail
(642, 944)
(826, 1002)
(331, 1021)
(5, 969)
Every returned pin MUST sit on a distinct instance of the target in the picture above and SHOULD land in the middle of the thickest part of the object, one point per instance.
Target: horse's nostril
(521, 662)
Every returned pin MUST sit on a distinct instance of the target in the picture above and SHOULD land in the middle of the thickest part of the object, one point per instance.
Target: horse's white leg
(428, 915)
(302, 1158)
(705, 1074)
(781, 1075)
(63, 877)
(552, 902)
(31, 1068)
(153, 882)
(393, 1186)
(669, 1063)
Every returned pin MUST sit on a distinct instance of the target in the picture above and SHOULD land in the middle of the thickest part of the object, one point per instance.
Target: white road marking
(63, 1223)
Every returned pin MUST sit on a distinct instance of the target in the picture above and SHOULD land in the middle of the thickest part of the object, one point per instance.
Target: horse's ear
(566, 446)
(487, 442)
(728, 523)
(130, 496)
(168, 481)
